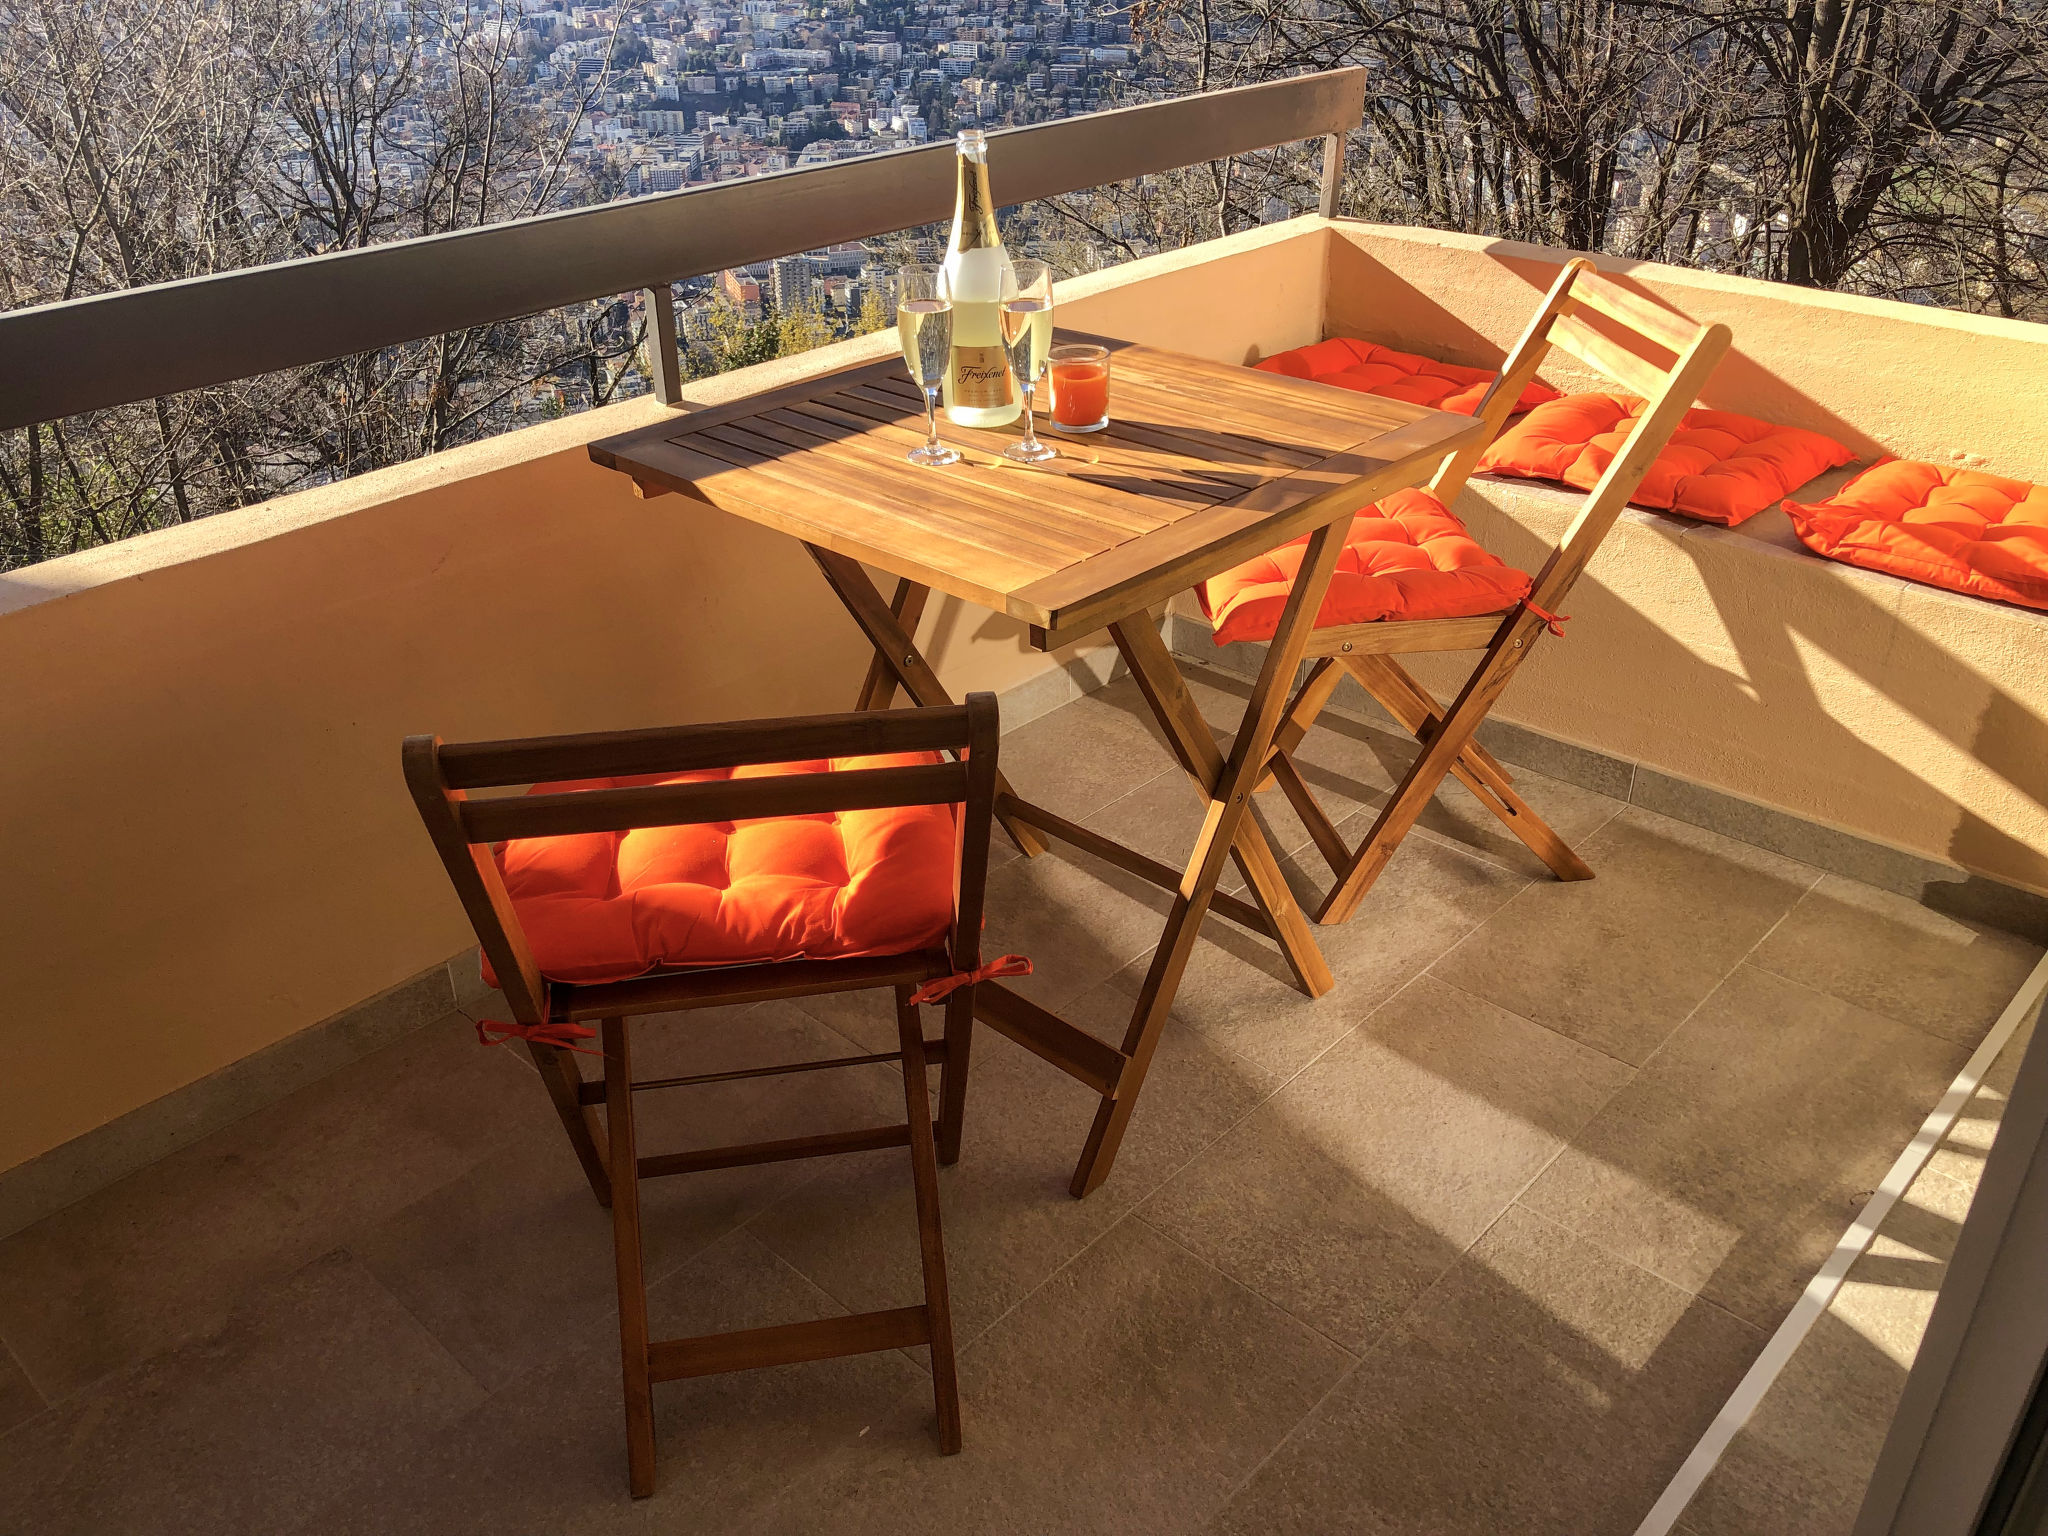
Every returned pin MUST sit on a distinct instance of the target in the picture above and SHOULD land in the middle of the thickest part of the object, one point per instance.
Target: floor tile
(373, 1137)
(709, 1432)
(1161, 819)
(1739, 1155)
(1347, 764)
(143, 1265)
(1078, 919)
(318, 1379)
(752, 1109)
(1573, 813)
(1239, 992)
(1542, 1386)
(511, 1265)
(544, 1457)
(19, 1400)
(1009, 1220)
(1083, 755)
(1962, 1152)
(1129, 1394)
(1945, 976)
(548, 1452)
(1617, 961)
(1348, 1192)
(1800, 1466)
(866, 1020)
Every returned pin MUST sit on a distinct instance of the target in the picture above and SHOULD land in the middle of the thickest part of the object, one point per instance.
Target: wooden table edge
(1052, 622)
(1065, 622)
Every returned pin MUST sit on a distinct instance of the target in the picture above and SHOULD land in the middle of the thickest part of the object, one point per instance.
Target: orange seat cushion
(1956, 528)
(1407, 557)
(1718, 467)
(605, 906)
(1372, 369)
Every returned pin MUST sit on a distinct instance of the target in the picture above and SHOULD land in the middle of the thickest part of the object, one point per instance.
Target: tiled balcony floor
(1801, 1463)
(1477, 1243)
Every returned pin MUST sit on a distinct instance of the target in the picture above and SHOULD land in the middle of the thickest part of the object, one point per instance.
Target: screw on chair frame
(439, 776)
(1367, 652)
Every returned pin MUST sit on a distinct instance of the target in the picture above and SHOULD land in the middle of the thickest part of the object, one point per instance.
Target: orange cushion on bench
(605, 906)
(1372, 369)
(1718, 467)
(1407, 557)
(1956, 528)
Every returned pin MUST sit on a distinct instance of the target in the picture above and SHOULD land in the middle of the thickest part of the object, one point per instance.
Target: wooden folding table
(1203, 465)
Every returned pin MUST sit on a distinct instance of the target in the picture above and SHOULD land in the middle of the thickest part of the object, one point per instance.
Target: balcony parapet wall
(211, 851)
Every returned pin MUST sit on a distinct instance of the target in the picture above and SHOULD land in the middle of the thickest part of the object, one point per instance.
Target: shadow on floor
(1477, 1242)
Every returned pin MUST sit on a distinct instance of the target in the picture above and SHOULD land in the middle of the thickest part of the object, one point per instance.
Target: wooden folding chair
(1367, 651)
(548, 1013)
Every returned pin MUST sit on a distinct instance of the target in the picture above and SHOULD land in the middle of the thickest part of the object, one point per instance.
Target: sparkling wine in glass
(1027, 337)
(924, 326)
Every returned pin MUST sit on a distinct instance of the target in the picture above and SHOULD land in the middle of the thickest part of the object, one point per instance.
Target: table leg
(1193, 742)
(895, 648)
(1229, 802)
(878, 691)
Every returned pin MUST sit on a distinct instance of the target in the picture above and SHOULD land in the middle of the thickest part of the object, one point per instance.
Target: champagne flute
(924, 326)
(1027, 337)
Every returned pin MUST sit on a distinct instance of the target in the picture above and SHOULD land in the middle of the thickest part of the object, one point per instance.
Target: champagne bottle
(979, 391)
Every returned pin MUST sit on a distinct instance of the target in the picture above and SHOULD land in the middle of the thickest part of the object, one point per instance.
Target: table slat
(1203, 464)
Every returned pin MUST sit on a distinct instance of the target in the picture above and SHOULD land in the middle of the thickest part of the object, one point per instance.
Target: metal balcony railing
(113, 349)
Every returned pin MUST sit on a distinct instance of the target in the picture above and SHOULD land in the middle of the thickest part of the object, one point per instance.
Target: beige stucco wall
(208, 848)
(1736, 658)
(207, 843)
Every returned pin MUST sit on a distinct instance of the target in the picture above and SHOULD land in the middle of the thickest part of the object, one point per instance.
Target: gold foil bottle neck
(974, 210)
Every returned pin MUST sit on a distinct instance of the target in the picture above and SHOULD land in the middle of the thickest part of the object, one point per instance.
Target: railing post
(1333, 174)
(663, 364)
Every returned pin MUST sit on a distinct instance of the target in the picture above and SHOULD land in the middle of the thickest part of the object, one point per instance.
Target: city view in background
(691, 92)
(1898, 148)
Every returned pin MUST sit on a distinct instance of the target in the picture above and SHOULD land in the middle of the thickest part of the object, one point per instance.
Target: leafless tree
(147, 140)
(1896, 147)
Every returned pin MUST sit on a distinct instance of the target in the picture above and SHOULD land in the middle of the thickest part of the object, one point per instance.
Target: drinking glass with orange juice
(1079, 372)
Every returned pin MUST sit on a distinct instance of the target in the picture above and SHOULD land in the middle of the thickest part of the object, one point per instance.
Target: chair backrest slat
(1641, 376)
(674, 805)
(1516, 375)
(1669, 329)
(682, 749)
(1667, 392)
(1625, 471)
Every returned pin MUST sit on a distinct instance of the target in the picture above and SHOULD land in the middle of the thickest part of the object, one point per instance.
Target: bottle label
(981, 378)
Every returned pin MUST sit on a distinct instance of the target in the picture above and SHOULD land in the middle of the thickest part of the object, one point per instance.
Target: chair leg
(563, 1081)
(953, 1075)
(924, 1173)
(1408, 702)
(893, 644)
(1321, 830)
(1194, 744)
(625, 1164)
(1438, 756)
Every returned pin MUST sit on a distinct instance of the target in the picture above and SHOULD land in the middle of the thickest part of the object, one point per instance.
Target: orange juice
(1080, 388)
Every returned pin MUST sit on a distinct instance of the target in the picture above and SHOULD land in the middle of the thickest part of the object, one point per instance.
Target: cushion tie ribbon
(1554, 622)
(942, 986)
(560, 1034)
